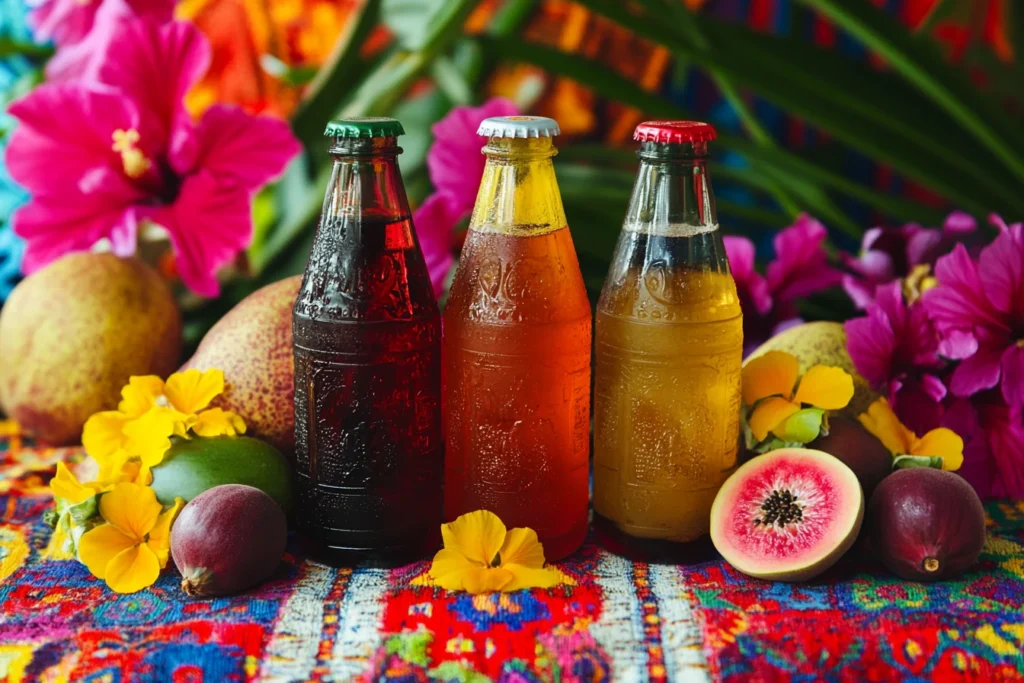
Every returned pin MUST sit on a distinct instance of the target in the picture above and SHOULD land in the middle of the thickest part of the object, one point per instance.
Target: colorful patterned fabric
(623, 621)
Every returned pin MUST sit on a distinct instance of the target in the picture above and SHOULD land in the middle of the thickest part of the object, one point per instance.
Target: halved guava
(787, 515)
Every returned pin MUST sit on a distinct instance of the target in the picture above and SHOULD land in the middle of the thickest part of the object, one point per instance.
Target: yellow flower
(217, 422)
(770, 382)
(129, 551)
(480, 556)
(943, 443)
(65, 484)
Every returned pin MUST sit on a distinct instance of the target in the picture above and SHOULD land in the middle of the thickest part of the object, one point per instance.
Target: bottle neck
(672, 195)
(366, 181)
(518, 191)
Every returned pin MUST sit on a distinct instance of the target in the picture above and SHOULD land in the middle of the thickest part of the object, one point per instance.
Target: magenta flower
(978, 309)
(103, 158)
(800, 269)
(895, 348)
(455, 164)
(82, 30)
(993, 444)
(891, 253)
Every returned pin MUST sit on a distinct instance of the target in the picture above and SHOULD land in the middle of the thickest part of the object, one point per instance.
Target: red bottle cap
(674, 132)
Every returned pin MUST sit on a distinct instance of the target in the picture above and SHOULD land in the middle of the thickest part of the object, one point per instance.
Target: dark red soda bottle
(367, 333)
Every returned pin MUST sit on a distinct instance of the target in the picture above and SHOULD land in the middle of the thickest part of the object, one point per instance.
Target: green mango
(192, 466)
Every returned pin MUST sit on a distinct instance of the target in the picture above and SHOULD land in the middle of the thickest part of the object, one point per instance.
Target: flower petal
(448, 570)
(824, 386)
(1012, 365)
(103, 435)
(522, 547)
(155, 64)
(210, 223)
(192, 390)
(131, 508)
(881, 421)
(435, 222)
(976, 373)
(478, 536)
(140, 394)
(960, 301)
(773, 374)
(65, 485)
(133, 569)
(149, 435)
(160, 537)
(768, 414)
(530, 577)
(801, 264)
(230, 142)
(872, 345)
(944, 443)
(100, 545)
(1001, 271)
(218, 422)
(487, 579)
(750, 285)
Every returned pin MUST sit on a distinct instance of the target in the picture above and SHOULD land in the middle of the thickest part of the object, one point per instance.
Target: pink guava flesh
(228, 539)
(788, 514)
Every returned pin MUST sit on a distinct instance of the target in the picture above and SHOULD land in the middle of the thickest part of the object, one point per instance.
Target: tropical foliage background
(859, 112)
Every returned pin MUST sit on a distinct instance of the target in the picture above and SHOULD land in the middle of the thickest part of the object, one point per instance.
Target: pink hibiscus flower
(800, 269)
(82, 30)
(978, 309)
(895, 348)
(993, 444)
(103, 158)
(456, 165)
(891, 253)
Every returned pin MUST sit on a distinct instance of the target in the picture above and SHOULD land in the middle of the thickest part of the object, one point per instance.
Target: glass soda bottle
(367, 339)
(669, 351)
(517, 348)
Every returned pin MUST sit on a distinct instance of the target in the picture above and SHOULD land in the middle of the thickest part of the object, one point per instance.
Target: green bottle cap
(364, 127)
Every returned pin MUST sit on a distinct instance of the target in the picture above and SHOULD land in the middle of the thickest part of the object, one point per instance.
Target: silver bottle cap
(519, 127)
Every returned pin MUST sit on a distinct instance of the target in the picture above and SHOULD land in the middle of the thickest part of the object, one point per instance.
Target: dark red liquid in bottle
(367, 335)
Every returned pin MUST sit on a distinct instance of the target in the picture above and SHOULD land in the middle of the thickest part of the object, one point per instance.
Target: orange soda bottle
(517, 340)
(668, 355)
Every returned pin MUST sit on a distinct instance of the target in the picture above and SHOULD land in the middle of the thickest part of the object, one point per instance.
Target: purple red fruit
(228, 539)
(926, 524)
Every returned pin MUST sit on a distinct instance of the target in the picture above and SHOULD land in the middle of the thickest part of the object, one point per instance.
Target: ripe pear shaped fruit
(74, 332)
(252, 344)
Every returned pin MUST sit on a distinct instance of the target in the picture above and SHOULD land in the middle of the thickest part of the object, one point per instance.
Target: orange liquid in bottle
(517, 342)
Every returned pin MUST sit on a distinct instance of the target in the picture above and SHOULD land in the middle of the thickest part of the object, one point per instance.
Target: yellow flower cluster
(941, 443)
(129, 441)
(128, 543)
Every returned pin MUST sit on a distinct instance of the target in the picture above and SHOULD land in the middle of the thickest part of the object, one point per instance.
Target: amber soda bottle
(367, 340)
(517, 342)
(668, 356)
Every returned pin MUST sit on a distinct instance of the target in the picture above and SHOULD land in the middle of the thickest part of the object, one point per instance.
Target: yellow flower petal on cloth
(160, 537)
(140, 394)
(769, 414)
(773, 374)
(944, 443)
(149, 436)
(478, 536)
(881, 421)
(100, 545)
(192, 390)
(133, 569)
(522, 547)
(531, 577)
(825, 387)
(487, 579)
(218, 422)
(448, 570)
(65, 485)
(103, 435)
(131, 508)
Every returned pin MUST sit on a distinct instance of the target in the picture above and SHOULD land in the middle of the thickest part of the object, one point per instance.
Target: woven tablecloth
(623, 621)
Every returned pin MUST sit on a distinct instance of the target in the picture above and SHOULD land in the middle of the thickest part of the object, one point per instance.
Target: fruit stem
(194, 581)
(931, 565)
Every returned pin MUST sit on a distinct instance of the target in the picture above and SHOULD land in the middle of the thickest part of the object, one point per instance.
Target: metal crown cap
(519, 127)
(364, 127)
(674, 132)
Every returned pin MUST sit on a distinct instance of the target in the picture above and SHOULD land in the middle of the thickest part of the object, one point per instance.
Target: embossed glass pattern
(517, 356)
(668, 355)
(367, 331)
